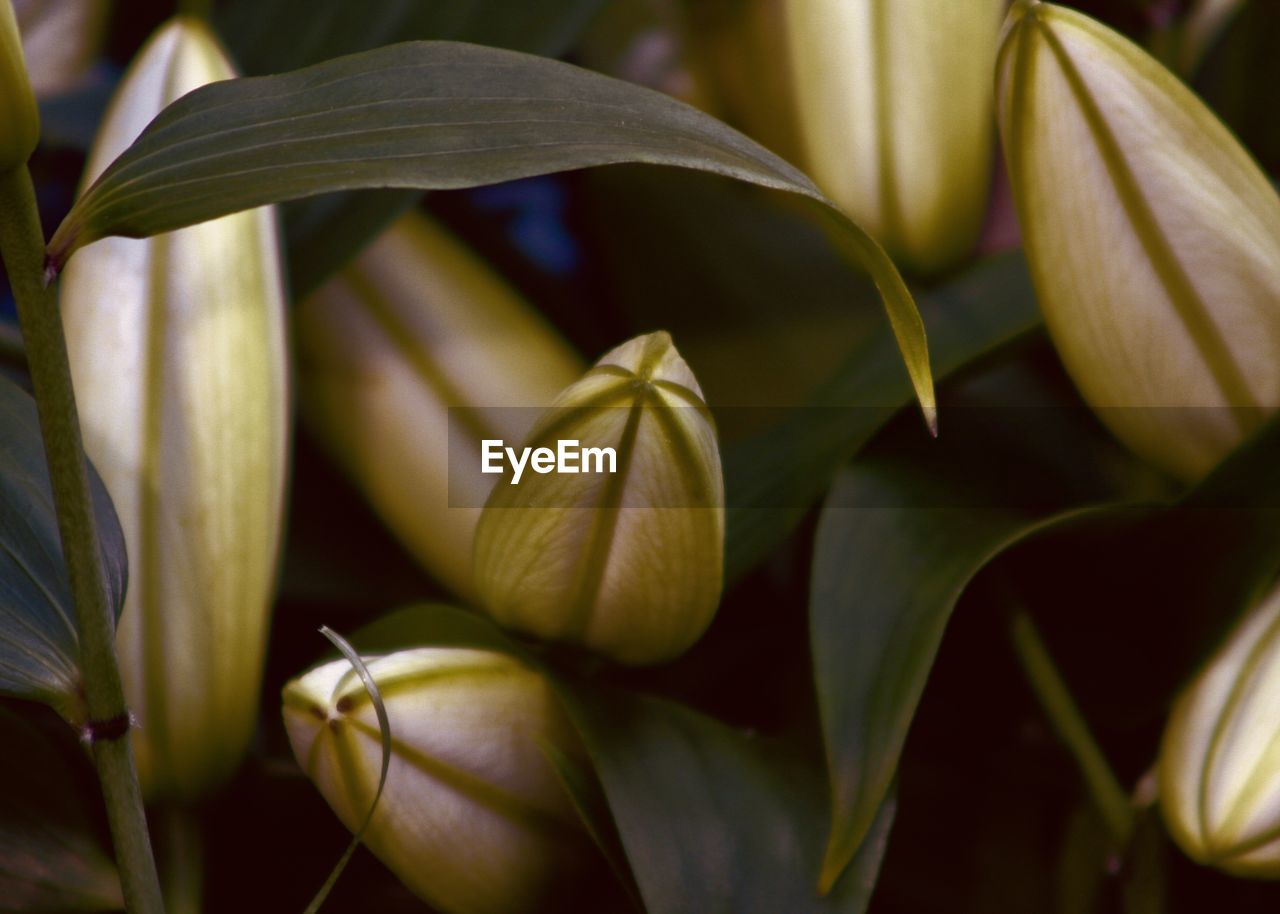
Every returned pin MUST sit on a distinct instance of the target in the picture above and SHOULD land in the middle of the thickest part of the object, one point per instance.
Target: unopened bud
(1220, 760)
(1153, 239)
(473, 817)
(19, 117)
(60, 39)
(178, 355)
(626, 560)
(894, 106)
(416, 326)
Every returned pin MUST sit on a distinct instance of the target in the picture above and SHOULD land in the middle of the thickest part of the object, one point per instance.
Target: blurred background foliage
(991, 813)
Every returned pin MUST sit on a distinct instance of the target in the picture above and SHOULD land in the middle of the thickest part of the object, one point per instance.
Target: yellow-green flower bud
(1220, 759)
(738, 50)
(60, 38)
(894, 105)
(19, 117)
(178, 356)
(415, 326)
(1153, 239)
(473, 817)
(625, 559)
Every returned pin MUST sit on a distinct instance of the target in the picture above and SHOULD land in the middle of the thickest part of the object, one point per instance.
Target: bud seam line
(604, 525)
(469, 785)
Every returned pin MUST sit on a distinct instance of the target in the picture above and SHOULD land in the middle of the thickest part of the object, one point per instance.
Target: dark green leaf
(323, 233)
(887, 572)
(40, 648)
(772, 480)
(49, 858)
(898, 544)
(715, 821)
(588, 800)
(431, 115)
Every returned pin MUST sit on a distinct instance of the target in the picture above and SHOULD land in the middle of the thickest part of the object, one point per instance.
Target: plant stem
(1055, 698)
(22, 245)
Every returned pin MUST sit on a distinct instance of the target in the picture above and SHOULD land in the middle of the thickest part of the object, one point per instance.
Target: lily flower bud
(178, 356)
(18, 113)
(1153, 239)
(894, 106)
(473, 817)
(627, 560)
(61, 40)
(1219, 760)
(739, 50)
(416, 326)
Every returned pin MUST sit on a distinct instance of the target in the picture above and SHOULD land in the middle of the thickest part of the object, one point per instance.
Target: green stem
(22, 245)
(1055, 698)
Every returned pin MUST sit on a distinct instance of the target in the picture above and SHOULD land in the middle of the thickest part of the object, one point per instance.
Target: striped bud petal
(1220, 758)
(627, 563)
(473, 818)
(1153, 239)
(19, 118)
(416, 326)
(178, 356)
(894, 106)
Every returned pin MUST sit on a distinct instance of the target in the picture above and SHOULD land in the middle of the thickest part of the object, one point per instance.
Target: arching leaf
(433, 115)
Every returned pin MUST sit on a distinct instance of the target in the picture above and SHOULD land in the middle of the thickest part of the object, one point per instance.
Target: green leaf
(772, 480)
(323, 233)
(49, 857)
(714, 821)
(39, 653)
(885, 580)
(432, 115)
(899, 542)
(588, 800)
